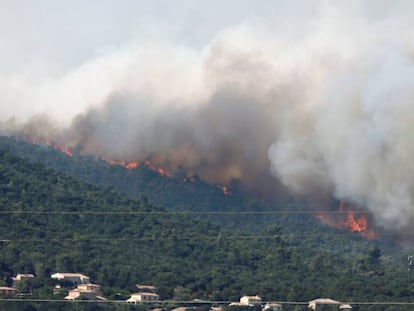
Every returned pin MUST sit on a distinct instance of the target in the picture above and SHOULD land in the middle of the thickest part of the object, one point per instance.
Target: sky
(315, 95)
(45, 42)
(65, 34)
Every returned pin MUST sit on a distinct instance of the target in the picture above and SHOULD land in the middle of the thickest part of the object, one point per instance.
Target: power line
(185, 213)
(86, 212)
(188, 238)
(197, 302)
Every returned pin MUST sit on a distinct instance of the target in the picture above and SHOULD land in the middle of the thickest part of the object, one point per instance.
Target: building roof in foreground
(70, 275)
(325, 301)
(7, 288)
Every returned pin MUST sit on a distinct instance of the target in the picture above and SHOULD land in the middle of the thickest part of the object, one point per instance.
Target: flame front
(226, 190)
(352, 223)
(159, 170)
(356, 224)
(59, 148)
(128, 165)
(133, 165)
(359, 225)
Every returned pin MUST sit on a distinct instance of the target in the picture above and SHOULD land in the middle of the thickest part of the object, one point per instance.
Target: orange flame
(359, 225)
(128, 165)
(59, 148)
(159, 170)
(132, 165)
(226, 190)
(352, 223)
(163, 171)
(356, 224)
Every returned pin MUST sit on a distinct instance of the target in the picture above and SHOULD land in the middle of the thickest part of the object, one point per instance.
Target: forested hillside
(188, 193)
(51, 222)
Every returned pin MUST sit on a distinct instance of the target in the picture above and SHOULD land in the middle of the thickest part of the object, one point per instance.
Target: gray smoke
(357, 140)
(320, 100)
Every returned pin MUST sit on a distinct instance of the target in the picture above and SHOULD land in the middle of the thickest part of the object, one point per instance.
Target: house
(78, 293)
(75, 278)
(143, 297)
(91, 287)
(87, 291)
(7, 292)
(247, 301)
(326, 304)
(272, 306)
(23, 283)
(23, 277)
(250, 300)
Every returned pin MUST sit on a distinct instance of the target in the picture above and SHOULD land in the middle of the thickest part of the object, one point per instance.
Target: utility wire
(85, 212)
(180, 238)
(198, 302)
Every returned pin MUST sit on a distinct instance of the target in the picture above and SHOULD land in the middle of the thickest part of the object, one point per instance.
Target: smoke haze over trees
(318, 97)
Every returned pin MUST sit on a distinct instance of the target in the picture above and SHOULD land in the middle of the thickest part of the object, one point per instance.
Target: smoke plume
(325, 107)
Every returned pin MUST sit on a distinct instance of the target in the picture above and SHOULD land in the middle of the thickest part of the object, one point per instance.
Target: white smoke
(357, 140)
(320, 93)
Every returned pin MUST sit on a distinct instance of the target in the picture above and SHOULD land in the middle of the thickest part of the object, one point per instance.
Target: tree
(374, 256)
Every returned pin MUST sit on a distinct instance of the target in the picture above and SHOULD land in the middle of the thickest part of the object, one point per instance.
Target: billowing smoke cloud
(321, 101)
(357, 142)
(219, 129)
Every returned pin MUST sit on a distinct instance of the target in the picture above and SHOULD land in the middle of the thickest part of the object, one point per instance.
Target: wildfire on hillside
(347, 219)
(59, 148)
(128, 165)
(160, 170)
(133, 165)
(226, 190)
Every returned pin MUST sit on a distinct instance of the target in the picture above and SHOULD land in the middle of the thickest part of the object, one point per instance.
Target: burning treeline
(351, 219)
(322, 116)
(224, 139)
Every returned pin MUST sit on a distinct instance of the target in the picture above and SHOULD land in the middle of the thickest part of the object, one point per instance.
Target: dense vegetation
(54, 223)
(177, 193)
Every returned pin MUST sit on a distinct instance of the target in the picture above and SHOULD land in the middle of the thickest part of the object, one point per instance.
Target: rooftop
(69, 275)
(324, 301)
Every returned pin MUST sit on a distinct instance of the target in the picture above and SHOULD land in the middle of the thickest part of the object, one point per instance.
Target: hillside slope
(177, 193)
(51, 222)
